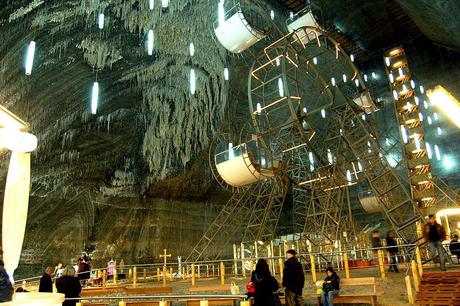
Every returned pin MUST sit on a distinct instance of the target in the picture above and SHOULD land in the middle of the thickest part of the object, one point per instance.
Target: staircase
(439, 288)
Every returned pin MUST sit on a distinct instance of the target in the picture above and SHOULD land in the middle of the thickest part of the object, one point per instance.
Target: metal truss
(252, 214)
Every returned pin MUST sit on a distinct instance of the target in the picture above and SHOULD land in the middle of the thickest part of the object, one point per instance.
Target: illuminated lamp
(192, 49)
(352, 57)
(30, 57)
(315, 61)
(333, 81)
(151, 4)
(404, 134)
(398, 64)
(395, 52)
(101, 21)
(428, 150)
(192, 81)
(94, 98)
(387, 61)
(226, 74)
(280, 87)
(446, 102)
(236, 34)
(344, 77)
(356, 82)
(150, 39)
(272, 14)
(258, 108)
(365, 78)
(164, 3)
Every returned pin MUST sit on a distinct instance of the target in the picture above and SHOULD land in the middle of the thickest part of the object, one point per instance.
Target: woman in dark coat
(265, 285)
(69, 285)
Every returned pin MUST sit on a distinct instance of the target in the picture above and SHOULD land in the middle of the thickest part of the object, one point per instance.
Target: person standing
(46, 284)
(293, 280)
(58, 270)
(435, 234)
(392, 251)
(454, 247)
(331, 287)
(6, 288)
(69, 285)
(265, 285)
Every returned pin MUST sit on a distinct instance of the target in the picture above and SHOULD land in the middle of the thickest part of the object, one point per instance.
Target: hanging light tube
(330, 157)
(221, 13)
(404, 134)
(312, 161)
(258, 108)
(30, 57)
(333, 81)
(164, 3)
(437, 152)
(323, 113)
(280, 87)
(94, 98)
(151, 4)
(150, 42)
(100, 21)
(226, 74)
(428, 150)
(272, 15)
(192, 81)
(191, 49)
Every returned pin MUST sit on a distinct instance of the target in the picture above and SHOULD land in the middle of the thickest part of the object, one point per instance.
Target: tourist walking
(392, 251)
(331, 287)
(266, 286)
(46, 284)
(454, 247)
(69, 285)
(293, 280)
(435, 234)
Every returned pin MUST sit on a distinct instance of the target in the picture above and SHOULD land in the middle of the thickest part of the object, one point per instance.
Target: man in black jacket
(293, 280)
(46, 284)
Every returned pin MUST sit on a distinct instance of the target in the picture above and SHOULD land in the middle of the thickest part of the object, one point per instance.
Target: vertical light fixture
(315, 60)
(280, 87)
(226, 74)
(333, 81)
(164, 4)
(439, 131)
(356, 82)
(312, 161)
(404, 134)
(352, 57)
(100, 21)
(349, 176)
(150, 42)
(428, 150)
(191, 49)
(94, 98)
(344, 77)
(365, 78)
(272, 14)
(30, 57)
(323, 113)
(151, 4)
(330, 158)
(437, 152)
(221, 12)
(258, 108)
(192, 81)
(230, 151)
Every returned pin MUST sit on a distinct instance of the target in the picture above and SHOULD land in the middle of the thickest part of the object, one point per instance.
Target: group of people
(68, 280)
(264, 287)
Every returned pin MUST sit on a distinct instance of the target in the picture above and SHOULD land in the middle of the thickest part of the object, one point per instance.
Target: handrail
(169, 297)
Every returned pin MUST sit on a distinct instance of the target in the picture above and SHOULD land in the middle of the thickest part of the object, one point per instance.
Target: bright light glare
(417, 141)
(387, 61)
(448, 162)
(344, 77)
(323, 113)
(164, 3)
(280, 87)
(272, 14)
(333, 81)
(150, 43)
(30, 57)
(151, 4)
(94, 98)
(352, 57)
(101, 21)
(356, 82)
(446, 102)
(192, 49)
(226, 74)
(192, 81)
(374, 75)
(277, 61)
(315, 61)
(392, 78)
(365, 78)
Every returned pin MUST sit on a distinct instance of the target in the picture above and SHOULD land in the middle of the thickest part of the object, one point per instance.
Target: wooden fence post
(222, 273)
(345, 263)
(415, 275)
(313, 268)
(410, 296)
(381, 263)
